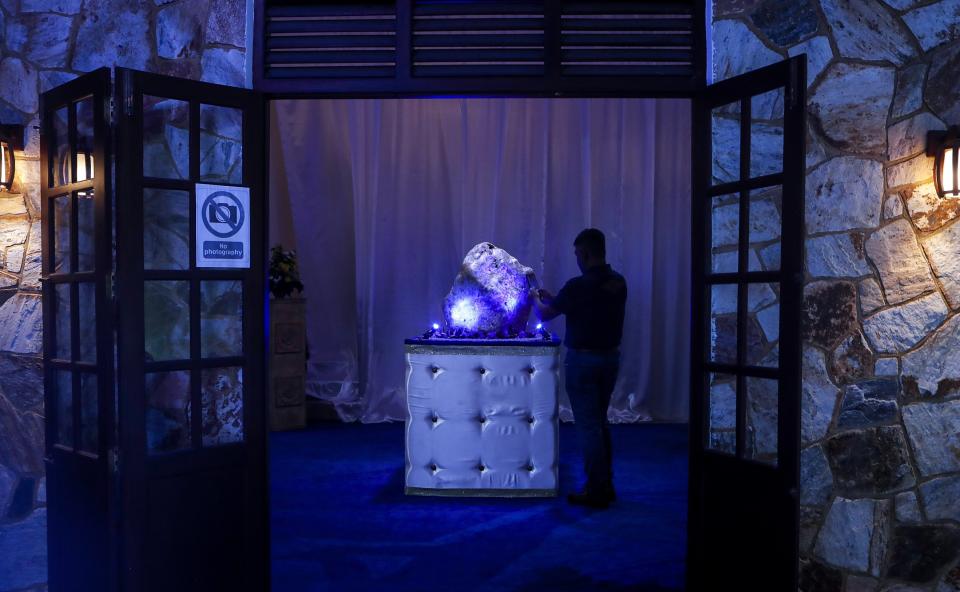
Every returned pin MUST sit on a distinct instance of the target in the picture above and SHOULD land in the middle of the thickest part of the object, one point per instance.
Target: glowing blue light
(539, 326)
(436, 326)
(465, 314)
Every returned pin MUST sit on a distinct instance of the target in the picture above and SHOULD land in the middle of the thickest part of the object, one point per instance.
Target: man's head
(590, 248)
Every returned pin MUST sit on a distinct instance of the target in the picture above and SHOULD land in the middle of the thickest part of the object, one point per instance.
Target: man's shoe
(588, 500)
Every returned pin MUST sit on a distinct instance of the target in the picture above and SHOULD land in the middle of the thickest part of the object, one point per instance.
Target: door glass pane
(166, 306)
(763, 325)
(166, 229)
(221, 144)
(62, 334)
(61, 234)
(89, 414)
(725, 233)
(59, 149)
(723, 323)
(766, 133)
(221, 318)
(64, 408)
(87, 311)
(166, 138)
(85, 139)
(168, 410)
(766, 223)
(222, 400)
(723, 413)
(85, 236)
(725, 137)
(761, 432)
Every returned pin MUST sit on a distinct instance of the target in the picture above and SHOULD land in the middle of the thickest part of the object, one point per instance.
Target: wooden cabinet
(288, 370)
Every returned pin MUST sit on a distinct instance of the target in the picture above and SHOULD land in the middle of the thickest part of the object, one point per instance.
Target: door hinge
(128, 93)
(111, 112)
(794, 85)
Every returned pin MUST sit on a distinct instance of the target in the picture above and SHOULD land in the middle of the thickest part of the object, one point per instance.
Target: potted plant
(288, 348)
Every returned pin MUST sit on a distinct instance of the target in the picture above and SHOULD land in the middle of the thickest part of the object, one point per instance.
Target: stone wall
(880, 500)
(44, 43)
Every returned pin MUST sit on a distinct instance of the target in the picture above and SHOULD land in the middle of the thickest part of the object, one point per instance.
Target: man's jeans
(590, 377)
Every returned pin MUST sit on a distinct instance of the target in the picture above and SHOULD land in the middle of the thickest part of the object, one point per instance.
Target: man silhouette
(594, 303)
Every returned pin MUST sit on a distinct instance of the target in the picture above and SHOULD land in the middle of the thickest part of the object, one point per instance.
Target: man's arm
(542, 300)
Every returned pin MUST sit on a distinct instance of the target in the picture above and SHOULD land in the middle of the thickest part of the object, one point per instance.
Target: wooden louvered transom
(478, 38)
(627, 38)
(330, 40)
(546, 45)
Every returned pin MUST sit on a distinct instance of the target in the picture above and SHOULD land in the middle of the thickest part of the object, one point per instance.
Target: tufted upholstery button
(433, 468)
(530, 468)
(434, 369)
(434, 418)
(483, 419)
(483, 370)
(481, 468)
(531, 370)
(530, 419)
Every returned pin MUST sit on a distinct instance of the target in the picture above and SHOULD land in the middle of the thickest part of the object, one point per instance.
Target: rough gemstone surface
(490, 294)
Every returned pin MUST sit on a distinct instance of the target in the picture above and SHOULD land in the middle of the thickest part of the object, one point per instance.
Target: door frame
(763, 78)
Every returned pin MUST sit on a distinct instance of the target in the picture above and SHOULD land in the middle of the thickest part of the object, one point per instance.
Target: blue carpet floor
(341, 523)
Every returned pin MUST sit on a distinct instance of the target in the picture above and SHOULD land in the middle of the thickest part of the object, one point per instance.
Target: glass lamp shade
(947, 170)
(945, 148)
(7, 166)
(84, 167)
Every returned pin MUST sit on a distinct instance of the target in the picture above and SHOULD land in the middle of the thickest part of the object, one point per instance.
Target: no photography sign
(223, 226)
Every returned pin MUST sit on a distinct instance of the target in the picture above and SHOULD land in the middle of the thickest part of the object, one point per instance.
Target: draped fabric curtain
(382, 199)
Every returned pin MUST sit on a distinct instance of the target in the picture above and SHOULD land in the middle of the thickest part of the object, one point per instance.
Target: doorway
(164, 512)
(382, 198)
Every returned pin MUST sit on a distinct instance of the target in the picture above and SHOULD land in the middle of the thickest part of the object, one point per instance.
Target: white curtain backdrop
(383, 198)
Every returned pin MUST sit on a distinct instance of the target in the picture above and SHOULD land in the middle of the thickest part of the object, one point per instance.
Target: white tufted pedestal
(483, 419)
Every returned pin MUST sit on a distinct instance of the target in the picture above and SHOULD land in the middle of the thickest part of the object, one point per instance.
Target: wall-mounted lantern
(11, 138)
(84, 165)
(945, 148)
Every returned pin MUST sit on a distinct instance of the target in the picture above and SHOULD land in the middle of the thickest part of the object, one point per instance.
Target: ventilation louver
(478, 38)
(330, 40)
(627, 38)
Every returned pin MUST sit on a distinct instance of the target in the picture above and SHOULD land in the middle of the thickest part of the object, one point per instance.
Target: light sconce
(11, 138)
(84, 165)
(945, 148)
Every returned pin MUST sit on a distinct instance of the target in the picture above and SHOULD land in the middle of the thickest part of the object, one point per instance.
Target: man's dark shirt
(594, 304)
